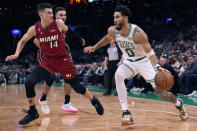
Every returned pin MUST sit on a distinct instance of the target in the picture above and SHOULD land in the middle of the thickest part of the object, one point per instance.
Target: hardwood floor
(149, 115)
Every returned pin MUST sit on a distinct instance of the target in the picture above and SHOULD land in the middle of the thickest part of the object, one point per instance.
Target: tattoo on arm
(137, 30)
(30, 101)
(168, 96)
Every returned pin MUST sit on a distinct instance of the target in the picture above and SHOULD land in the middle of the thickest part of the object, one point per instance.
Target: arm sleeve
(74, 36)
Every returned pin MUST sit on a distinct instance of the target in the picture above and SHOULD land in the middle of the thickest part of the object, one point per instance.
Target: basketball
(164, 80)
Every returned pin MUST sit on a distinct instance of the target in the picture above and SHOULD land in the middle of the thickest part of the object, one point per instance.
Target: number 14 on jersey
(53, 44)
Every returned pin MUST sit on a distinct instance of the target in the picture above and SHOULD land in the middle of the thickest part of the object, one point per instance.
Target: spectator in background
(189, 76)
(112, 61)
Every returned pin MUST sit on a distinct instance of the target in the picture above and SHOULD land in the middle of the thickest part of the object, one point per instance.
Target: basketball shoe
(44, 107)
(69, 108)
(127, 119)
(30, 116)
(96, 103)
(182, 110)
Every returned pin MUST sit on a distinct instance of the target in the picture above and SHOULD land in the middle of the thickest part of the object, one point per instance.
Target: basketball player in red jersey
(55, 59)
(60, 13)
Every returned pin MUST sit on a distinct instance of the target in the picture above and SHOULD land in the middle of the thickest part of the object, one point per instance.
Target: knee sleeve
(29, 86)
(76, 85)
(35, 76)
(50, 81)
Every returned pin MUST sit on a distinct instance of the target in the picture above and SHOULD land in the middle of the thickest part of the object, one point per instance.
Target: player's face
(118, 20)
(61, 15)
(47, 15)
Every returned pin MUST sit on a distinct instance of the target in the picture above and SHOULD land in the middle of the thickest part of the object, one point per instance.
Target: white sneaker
(44, 107)
(127, 119)
(193, 93)
(182, 110)
(69, 108)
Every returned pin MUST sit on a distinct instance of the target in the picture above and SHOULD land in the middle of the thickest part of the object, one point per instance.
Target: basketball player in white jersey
(139, 57)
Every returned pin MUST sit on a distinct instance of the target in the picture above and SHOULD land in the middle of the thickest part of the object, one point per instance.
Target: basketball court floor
(150, 114)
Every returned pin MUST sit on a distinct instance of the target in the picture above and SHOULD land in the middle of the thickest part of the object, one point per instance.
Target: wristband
(157, 66)
(150, 53)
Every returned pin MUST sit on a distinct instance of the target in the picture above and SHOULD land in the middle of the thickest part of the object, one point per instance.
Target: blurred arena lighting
(73, 28)
(16, 32)
(90, 1)
(168, 20)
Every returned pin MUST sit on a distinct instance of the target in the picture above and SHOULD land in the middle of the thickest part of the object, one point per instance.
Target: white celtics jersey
(130, 50)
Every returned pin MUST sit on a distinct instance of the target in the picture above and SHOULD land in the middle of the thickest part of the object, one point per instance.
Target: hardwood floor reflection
(149, 115)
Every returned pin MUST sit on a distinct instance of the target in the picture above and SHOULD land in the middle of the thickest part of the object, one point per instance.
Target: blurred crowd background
(171, 26)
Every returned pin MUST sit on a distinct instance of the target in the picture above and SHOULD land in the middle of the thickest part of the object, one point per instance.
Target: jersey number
(130, 52)
(53, 44)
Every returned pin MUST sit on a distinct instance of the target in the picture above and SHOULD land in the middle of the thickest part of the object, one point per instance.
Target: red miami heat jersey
(64, 34)
(51, 40)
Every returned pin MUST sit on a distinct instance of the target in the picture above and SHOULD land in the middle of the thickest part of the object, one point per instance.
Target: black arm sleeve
(74, 36)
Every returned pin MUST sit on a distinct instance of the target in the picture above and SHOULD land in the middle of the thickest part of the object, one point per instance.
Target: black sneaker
(31, 115)
(96, 103)
(182, 110)
(127, 119)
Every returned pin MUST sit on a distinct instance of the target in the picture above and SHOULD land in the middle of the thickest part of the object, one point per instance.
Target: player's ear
(40, 14)
(126, 18)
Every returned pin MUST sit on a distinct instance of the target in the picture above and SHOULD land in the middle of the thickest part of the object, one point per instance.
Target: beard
(120, 26)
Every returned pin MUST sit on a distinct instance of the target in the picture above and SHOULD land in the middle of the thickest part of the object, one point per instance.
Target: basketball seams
(164, 80)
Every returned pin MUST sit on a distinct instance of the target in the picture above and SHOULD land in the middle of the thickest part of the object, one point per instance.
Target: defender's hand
(11, 57)
(89, 49)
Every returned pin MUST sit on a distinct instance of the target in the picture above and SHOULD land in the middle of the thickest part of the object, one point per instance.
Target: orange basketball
(164, 80)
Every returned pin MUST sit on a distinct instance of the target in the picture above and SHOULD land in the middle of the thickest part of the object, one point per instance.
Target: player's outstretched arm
(27, 36)
(61, 25)
(76, 37)
(104, 41)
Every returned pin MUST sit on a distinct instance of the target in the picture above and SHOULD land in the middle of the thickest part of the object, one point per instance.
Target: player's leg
(74, 82)
(47, 87)
(35, 76)
(42, 101)
(147, 71)
(66, 69)
(123, 72)
(68, 106)
(170, 97)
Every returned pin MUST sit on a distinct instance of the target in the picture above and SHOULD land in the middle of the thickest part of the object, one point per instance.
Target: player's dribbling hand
(162, 69)
(11, 57)
(89, 49)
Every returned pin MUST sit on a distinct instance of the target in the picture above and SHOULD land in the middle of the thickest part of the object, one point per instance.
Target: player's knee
(118, 76)
(29, 82)
(50, 81)
(80, 89)
(76, 85)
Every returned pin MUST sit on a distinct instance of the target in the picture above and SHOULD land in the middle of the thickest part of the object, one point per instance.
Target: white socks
(178, 103)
